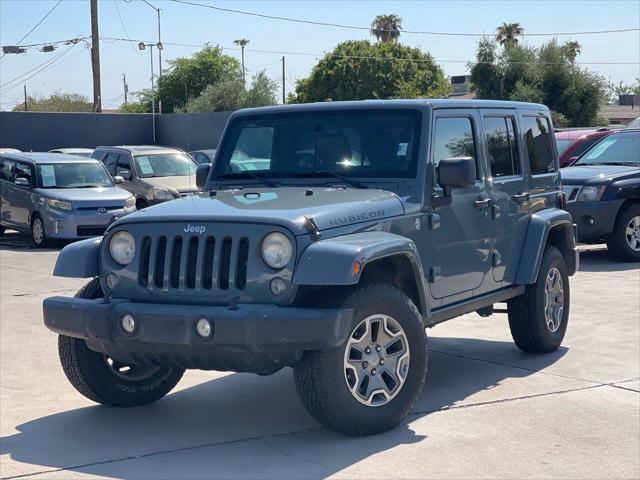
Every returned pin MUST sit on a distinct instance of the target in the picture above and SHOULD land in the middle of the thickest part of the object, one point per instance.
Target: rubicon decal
(195, 229)
(358, 217)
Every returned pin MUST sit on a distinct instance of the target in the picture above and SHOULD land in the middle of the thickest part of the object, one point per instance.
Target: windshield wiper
(625, 164)
(247, 173)
(329, 173)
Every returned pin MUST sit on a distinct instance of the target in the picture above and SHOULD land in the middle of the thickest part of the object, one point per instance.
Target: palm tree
(242, 42)
(507, 33)
(573, 49)
(386, 28)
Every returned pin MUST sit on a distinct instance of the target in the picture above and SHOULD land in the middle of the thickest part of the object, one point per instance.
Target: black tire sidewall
(347, 409)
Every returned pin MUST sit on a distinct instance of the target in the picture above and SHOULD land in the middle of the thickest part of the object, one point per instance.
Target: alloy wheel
(632, 234)
(554, 300)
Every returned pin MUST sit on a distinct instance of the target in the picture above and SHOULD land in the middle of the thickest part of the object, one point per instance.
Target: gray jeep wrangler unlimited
(349, 229)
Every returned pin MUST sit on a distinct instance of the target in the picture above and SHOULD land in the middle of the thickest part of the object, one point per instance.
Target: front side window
(618, 149)
(165, 165)
(6, 170)
(111, 161)
(501, 146)
(371, 143)
(74, 175)
(453, 138)
(24, 170)
(539, 142)
(124, 163)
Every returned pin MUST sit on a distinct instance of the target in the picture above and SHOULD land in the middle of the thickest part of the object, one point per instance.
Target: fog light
(203, 327)
(111, 281)
(128, 324)
(278, 286)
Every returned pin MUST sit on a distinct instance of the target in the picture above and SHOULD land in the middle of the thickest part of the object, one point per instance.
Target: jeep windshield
(74, 175)
(165, 165)
(617, 149)
(330, 146)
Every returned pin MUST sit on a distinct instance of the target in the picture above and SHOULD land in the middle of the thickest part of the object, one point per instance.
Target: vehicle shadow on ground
(12, 240)
(247, 414)
(600, 260)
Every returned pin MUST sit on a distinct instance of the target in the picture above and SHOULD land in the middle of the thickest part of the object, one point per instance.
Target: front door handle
(520, 197)
(482, 203)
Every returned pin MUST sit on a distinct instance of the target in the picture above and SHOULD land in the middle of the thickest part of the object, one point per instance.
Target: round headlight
(122, 247)
(276, 250)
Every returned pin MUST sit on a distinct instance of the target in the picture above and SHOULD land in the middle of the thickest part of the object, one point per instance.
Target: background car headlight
(590, 194)
(122, 247)
(130, 202)
(162, 193)
(59, 204)
(276, 250)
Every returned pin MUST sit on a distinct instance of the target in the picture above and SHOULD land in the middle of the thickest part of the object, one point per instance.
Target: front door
(458, 256)
(509, 191)
(21, 204)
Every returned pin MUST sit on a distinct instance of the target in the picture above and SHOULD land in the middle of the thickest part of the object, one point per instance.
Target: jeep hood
(329, 207)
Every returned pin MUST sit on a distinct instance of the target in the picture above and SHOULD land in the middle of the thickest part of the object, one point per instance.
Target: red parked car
(573, 143)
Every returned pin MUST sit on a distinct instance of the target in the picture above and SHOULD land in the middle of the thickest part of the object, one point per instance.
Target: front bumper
(595, 220)
(60, 224)
(249, 338)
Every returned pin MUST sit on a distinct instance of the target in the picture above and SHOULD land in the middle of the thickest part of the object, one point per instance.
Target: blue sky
(193, 25)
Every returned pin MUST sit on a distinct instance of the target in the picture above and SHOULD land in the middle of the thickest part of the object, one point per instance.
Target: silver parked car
(83, 152)
(58, 196)
(152, 174)
(204, 156)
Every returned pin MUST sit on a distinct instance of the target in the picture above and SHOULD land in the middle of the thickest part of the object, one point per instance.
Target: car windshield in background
(354, 144)
(617, 149)
(74, 175)
(165, 165)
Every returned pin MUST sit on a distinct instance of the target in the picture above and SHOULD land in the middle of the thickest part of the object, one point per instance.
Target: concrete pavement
(488, 410)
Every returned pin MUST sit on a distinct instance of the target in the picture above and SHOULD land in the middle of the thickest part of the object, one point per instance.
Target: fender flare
(79, 259)
(540, 225)
(331, 261)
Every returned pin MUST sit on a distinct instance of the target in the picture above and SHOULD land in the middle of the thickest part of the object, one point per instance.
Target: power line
(417, 32)
(38, 24)
(115, 2)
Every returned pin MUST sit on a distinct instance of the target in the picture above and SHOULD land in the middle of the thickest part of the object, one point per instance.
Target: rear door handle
(520, 197)
(482, 203)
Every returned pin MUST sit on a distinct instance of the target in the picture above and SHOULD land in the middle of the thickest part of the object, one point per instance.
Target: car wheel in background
(370, 383)
(141, 203)
(38, 235)
(624, 242)
(538, 318)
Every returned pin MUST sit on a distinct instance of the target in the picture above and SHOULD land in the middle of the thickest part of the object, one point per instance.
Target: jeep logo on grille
(195, 229)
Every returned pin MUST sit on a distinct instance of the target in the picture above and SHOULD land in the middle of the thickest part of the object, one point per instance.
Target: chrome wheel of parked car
(554, 300)
(376, 360)
(633, 234)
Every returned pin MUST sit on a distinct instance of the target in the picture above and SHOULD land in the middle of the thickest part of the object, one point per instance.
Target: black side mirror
(456, 172)
(202, 173)
(125, 174)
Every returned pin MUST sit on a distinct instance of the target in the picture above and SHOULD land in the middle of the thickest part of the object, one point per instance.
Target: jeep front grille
(193, 263)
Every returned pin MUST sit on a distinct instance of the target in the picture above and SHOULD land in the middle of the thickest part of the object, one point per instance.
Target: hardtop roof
(48, 157)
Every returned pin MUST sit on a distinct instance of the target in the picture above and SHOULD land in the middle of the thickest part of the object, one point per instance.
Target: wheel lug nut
(365, 364)
(382, 361)
(378, 348)
(367, 350)
(373, 371)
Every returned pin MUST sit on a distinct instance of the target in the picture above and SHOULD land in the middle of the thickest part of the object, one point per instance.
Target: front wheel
(538, 318)
(370, 383)
(106, 380)
(38, 235)
(624, 242)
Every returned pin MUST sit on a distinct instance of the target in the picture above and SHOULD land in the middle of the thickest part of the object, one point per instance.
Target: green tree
(57, 102)
(507, 34)
(486, 75)
(189, 76)
(230, 95)
(386, 28)
(573, 49)
(359, 70)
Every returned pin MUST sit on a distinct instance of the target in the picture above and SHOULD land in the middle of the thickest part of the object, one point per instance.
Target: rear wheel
(538, 318)
(624, 242)
(106, 380)
(370, 383)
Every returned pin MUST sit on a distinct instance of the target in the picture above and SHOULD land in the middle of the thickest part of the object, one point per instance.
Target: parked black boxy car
(603, 194)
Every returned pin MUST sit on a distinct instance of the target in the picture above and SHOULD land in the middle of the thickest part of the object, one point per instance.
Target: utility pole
(95, 57)
(26, 106)
(159, 50)
(126, 87)
(283, 85)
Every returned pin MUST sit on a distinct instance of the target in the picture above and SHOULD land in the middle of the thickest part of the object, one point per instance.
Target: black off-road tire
(617, 242)
(37, 240)
(526, 313)
(91, 375)
(320, 375)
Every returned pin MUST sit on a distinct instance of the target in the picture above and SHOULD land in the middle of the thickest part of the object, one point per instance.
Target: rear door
(509, 191)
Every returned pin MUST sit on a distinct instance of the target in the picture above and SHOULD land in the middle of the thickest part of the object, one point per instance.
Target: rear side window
(539, 142)
(453, 138)
(6, 169)
(501, 146)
